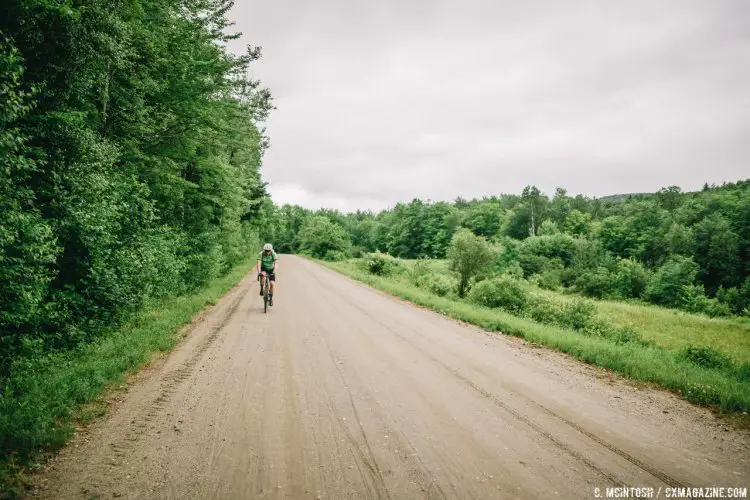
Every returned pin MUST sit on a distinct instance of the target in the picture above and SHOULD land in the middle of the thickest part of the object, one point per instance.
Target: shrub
(630, 279)
(439, 284)
(693, 299)
(335, 255)
(596, 283)
(549, 279)
(532, 264)
(469, 256)
(420, 269)
(736, 298)
(554, 246)
(706, 357)
(576, 314)
(541, 310)
(665, 285)
(503, 292)
(381, 264)
(618, 335)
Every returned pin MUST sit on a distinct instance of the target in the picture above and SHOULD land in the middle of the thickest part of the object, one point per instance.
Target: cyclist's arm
(257, 265)
(275, 262)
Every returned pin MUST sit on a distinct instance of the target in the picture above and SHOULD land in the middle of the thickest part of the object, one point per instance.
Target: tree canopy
(130, 154)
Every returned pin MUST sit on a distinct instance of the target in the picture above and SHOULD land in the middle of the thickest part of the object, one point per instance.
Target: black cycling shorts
(271, 275)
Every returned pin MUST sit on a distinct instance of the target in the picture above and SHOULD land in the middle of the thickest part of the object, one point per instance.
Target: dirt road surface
(343, 392)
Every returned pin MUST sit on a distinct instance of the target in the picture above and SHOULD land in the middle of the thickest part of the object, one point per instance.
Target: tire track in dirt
(613, 479)
(172, 380)
(343, 392)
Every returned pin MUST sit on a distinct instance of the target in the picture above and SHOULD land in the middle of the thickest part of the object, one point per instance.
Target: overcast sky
(384, 101)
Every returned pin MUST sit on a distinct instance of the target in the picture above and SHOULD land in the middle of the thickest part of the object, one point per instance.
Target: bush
(693, 299)
(439, 284)
(532, 264)
(629, 280)
(469, 256)
(554, 246)
(706, 357)
(665, 286)
(618, 335)
(549, 279)
(596, 283)
(420, 269)
(381, 264)
(335, 256)
(503, 292)
(736, 298)
(576, 314)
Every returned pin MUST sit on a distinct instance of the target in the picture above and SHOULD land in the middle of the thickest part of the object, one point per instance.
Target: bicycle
(266, 280)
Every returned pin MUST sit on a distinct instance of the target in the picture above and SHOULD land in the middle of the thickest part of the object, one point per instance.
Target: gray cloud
(383, 101)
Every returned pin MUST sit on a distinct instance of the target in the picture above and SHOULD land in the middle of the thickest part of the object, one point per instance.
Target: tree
(577, 223)
(666, 285)
(322, 238)
(680, 240)
(717, 253)
(133, 171)
(548, 228)
(468, 255)
(405, 235)
(559, 207)
(670, 197)
(484, 219)
(28, 249)
(537, 203)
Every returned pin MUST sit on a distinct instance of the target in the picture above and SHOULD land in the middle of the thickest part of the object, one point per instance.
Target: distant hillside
(617, 198)
(725, 186)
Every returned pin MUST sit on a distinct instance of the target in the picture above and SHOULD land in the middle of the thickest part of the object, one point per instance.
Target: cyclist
(267, 264)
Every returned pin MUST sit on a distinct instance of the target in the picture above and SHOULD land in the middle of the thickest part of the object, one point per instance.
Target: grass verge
(45, 396)
(667, 328)
(651, 364)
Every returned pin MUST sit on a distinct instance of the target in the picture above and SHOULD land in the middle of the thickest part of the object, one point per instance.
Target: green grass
(667, 328)
(46, 396)
(675, 329)
(651, 364)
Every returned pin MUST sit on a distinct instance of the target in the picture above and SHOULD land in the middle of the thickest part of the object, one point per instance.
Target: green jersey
(267, 260)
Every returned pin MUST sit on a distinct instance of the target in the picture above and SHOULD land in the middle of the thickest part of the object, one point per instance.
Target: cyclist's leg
(272, 281)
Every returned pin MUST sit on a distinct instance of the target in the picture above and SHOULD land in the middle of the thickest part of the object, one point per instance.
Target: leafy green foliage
(322, 238)
(693, 299)
(469, 255)
(381, 264)
(666, 285)
(629, 280)
(706, 357)
(612, 247)
(504, 292)
(438, 284)
(129, 163)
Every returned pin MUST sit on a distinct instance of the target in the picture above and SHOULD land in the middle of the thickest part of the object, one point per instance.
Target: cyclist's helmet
(267, 247)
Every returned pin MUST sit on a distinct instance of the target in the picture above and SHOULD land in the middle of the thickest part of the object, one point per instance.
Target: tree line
(130, 156)
(688, 250)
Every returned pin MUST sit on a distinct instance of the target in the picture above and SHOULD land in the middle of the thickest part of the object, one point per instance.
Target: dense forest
(677, 249)
(130, 149)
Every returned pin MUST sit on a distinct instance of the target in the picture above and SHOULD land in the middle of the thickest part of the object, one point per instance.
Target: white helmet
(267, 247)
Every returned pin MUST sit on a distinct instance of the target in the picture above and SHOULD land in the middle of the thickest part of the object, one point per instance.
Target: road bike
(266, 280)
